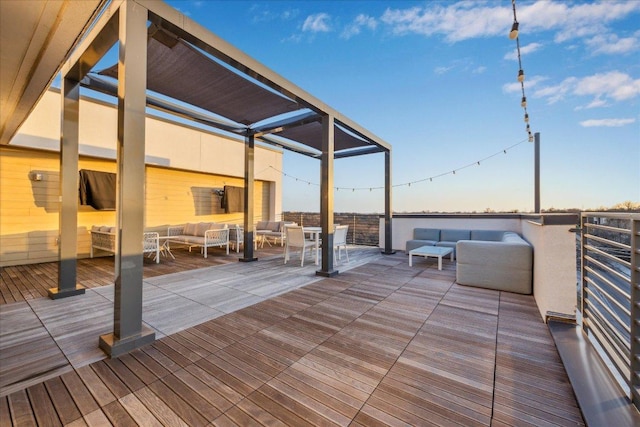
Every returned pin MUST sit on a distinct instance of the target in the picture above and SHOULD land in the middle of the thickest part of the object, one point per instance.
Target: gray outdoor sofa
(492, 259)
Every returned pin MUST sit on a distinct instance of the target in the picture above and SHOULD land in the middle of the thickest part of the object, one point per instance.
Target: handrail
(610, 292)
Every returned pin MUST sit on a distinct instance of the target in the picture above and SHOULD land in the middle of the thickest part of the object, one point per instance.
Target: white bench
(104, 238)
(204, 235)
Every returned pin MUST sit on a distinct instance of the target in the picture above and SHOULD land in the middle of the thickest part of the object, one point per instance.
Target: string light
(515, 34)
(407, 184)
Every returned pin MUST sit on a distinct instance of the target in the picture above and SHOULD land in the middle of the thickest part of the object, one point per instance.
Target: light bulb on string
(513, 34)
(523, 103)
(526, 118)
(521, 75)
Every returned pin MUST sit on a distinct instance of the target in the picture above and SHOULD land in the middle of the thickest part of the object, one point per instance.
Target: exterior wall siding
(29, 210)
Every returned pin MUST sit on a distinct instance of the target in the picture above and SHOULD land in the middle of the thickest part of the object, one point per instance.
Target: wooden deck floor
(380, 344)
(25, 282)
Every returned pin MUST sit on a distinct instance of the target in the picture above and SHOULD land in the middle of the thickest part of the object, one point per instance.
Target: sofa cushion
(202, 227)
(190, 229)
(454, 235)
(426, 234)
(105, 229)
(488, 235)
(262, 225)
(273, 226)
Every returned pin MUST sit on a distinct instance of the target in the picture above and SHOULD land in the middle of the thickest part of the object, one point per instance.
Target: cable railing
(610, 292)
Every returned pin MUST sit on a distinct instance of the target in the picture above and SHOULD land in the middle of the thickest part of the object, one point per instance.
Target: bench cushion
(426, 234)
(487, 235)
(454, 235)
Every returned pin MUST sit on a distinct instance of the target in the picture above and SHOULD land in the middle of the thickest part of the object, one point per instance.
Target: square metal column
(68, 217)
(326, 196)
(249, 188)
(128, 330)
(388, 207)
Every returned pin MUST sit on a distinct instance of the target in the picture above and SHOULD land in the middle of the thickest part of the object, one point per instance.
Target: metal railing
(610, 291)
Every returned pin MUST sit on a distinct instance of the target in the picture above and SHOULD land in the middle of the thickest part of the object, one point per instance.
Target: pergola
(171, 63)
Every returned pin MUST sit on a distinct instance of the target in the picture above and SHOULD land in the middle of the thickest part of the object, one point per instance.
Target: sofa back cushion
(487, 235)
(203, 227)
(262, 225)
(511, 237)
(454, 235)
(426, 234)
(190, 229)
(273, 226)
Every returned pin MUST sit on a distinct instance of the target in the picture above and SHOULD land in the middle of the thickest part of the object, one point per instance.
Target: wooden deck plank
(202, 388)
(138, 411)
(79, 393)
(177, 404)
(96, 418)
(61, 398)
(235, 418)
(42, 406)
(125, 375)
(21, 412)
(110, 379)
(273, 409)
(159, 409)
(99, 390)
(186, 391)
(118, 415)
(139, 370)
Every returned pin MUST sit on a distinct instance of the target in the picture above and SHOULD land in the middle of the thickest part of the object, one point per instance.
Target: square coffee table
(434, 251)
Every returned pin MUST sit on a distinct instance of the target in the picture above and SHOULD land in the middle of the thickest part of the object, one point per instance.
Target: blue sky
(437, 81)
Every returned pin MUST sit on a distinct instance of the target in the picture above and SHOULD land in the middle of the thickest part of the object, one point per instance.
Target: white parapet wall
(555, 276)
(554, 247)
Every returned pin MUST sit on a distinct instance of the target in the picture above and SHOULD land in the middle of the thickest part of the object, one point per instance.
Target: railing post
(583, 282)
(635, 312)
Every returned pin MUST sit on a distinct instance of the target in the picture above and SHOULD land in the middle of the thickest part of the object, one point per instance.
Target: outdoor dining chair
(295, 238)
(340, 241)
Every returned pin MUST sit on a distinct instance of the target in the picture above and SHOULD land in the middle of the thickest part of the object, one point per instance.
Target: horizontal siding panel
(30, 209)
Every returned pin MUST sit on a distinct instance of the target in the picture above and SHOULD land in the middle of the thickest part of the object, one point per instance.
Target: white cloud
(457, 21)
(524, 50)
(442, 70)
(611, 44)
(530, 82)
(317, 23)
(464, 20)
(479, 70)
(614, 84)
(603, 87)
(596, 103)
(361, 21)
(606, 122)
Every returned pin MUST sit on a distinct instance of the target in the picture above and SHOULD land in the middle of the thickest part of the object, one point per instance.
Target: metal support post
(536, 137)
(128, 331)
(388, 209)
(326, 196)
(249, 188)
(635, 312)
(68, 218)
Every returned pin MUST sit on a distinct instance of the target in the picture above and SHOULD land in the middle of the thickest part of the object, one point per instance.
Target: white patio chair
(151, 245)
(295, 238)
(340, 241)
